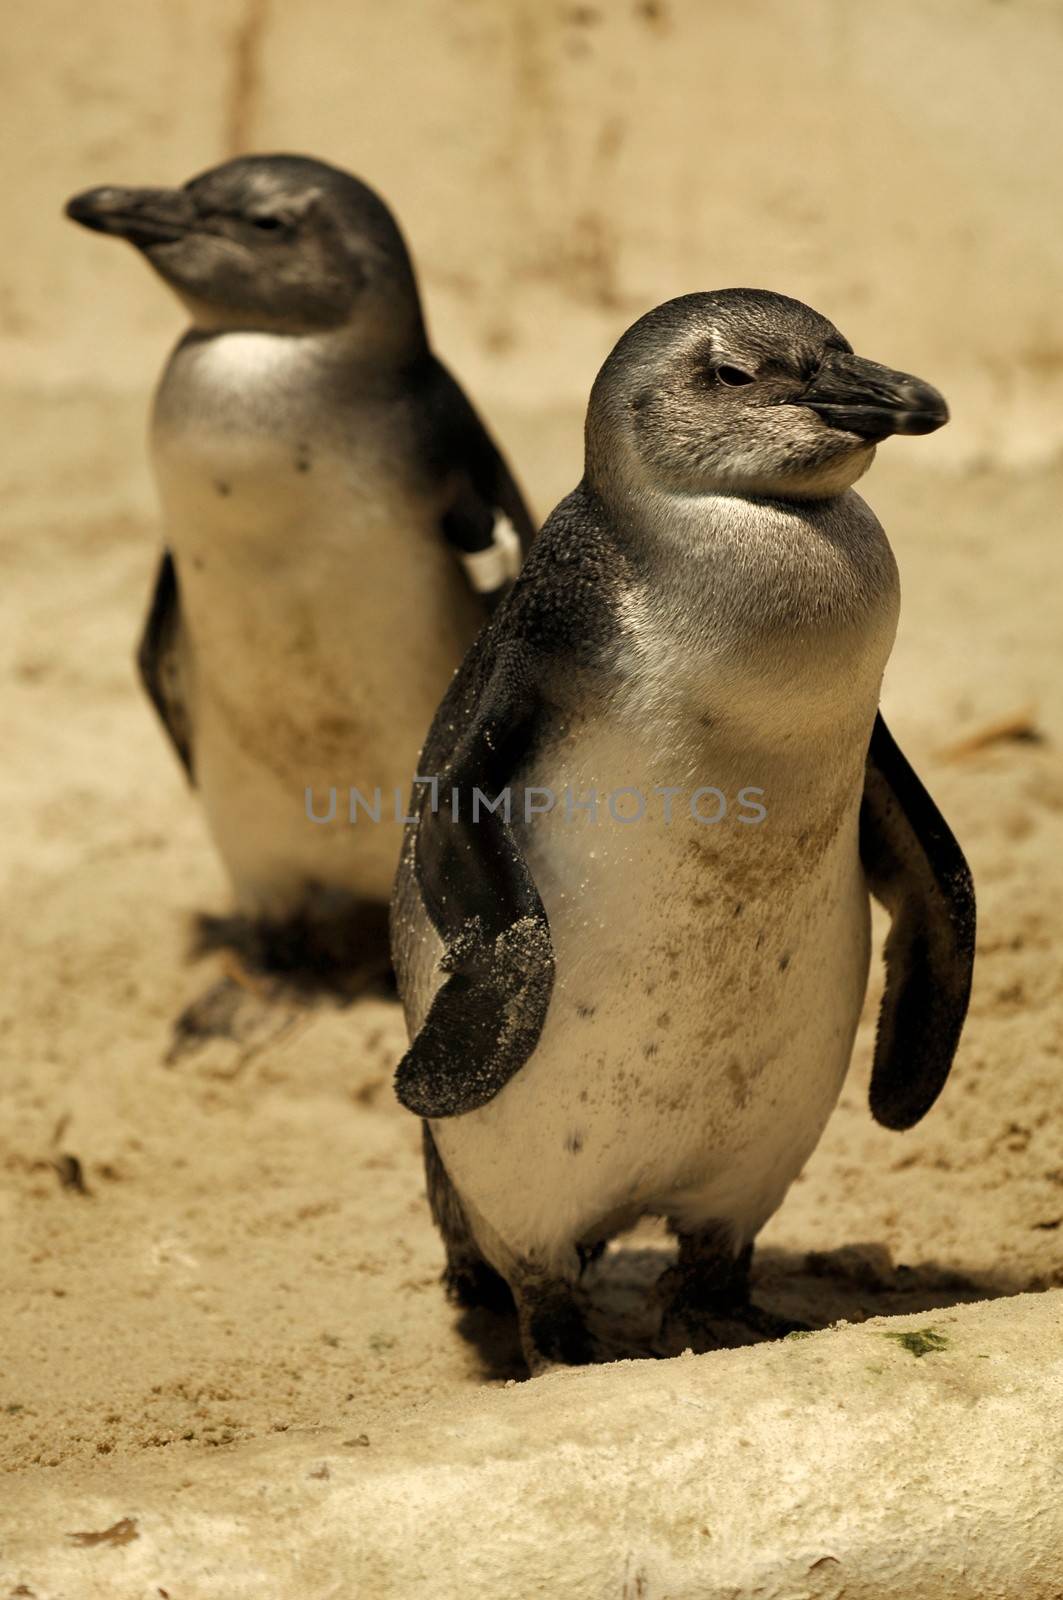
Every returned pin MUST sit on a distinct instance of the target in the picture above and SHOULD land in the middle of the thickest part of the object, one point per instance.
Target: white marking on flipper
(489, 569)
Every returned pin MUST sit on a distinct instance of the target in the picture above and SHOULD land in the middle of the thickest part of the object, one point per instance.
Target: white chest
(258, 458)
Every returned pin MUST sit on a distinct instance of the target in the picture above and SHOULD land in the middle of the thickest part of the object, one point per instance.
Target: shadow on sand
(817, 1289)
(272, 977)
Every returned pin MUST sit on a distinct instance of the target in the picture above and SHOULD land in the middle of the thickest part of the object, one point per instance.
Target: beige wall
(560, 167)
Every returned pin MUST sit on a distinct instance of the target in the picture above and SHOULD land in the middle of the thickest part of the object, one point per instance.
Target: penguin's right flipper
(486, 1018)
(917, 870)
(157, 660)
(487, 524)
(486, 543)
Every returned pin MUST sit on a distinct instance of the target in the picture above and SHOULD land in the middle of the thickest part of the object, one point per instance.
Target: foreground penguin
(338, 525)
(652, 1009)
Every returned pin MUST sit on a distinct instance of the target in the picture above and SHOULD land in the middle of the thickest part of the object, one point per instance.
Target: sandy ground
(253, 1251)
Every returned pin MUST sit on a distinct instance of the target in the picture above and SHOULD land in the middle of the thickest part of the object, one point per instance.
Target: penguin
(624, 998)
(338, 525)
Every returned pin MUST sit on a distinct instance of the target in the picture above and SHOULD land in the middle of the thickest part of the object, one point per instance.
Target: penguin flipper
(487, 524)
(915, 867)
(486, 543)
(158, 663)
(486, 1018)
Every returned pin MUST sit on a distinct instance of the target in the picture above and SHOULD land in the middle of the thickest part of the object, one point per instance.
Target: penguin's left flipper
(486, 1018)
(157, 660)
(487, 524)
(917, 870)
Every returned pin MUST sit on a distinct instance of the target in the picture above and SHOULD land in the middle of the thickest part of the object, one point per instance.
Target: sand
(250, 1250)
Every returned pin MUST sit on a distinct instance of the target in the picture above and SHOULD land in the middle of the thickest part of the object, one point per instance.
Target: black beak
(861, 397)
(143, 216)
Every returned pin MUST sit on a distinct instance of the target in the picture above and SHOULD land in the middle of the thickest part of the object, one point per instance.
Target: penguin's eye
(733, 377)
(267, 223)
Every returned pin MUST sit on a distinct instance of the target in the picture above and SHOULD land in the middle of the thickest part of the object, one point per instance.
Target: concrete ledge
(917, 1457)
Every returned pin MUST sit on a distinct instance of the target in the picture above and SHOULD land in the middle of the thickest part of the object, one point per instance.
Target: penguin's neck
(261, 383)
(767, 618)
(749, 568)
(250, 353)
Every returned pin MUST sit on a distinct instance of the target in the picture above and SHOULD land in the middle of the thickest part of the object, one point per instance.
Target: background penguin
(612, 1019)
(338, 525)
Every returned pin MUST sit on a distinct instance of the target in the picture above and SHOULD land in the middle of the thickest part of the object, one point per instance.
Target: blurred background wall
(561, 165)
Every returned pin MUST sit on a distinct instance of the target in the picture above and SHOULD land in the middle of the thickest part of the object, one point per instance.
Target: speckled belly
(709, 983)
(308, 676)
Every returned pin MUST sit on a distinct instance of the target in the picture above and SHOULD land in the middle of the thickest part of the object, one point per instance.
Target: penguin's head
(269, 242)
(749, 393)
